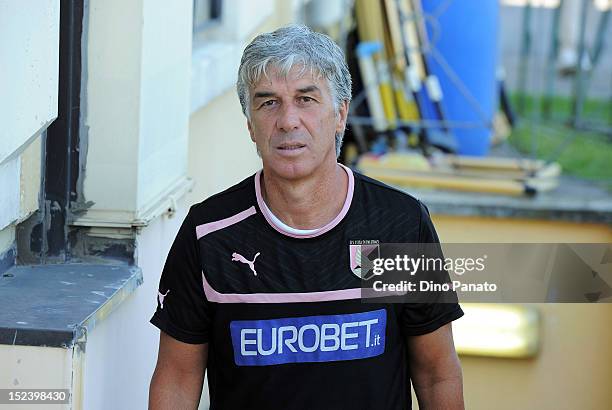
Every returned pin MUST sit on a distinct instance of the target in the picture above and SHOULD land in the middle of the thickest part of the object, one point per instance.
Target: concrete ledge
(57, 305)
(574, 200)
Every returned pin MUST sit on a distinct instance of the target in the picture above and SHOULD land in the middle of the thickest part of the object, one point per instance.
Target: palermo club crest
(361, 257)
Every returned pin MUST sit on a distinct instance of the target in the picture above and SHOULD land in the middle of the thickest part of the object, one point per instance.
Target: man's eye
(305, 98)
(268, 103)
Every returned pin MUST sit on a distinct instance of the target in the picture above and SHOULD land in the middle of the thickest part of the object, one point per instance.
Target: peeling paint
(103, 247)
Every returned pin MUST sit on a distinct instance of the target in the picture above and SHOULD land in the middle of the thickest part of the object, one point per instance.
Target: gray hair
(287, 47)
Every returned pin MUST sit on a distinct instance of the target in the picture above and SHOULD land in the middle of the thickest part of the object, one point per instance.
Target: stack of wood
(509, 176)
(403, 94)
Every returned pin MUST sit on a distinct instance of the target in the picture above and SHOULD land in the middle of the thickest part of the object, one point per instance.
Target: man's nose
(288, 118)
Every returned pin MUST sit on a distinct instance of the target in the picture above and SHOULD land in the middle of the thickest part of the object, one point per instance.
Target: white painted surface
(112, 108)
(20, 185)
(246, 15)
(7, 238)
(29, 66)
(9, 193)
(164, 100)
(217, 165)
(214, 69)
(30, 179)
(137, 109)
(32, 367)
(325, 13)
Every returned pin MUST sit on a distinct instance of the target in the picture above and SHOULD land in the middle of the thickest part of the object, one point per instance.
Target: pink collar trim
(319, 231)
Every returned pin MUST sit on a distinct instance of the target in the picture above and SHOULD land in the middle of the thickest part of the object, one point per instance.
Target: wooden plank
(505, 187)
(521, 164)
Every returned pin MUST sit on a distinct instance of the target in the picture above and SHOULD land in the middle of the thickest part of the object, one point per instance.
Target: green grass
(584, 154)
(598, 111)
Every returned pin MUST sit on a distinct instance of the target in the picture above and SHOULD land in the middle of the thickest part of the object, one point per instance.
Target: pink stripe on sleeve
(205, 229)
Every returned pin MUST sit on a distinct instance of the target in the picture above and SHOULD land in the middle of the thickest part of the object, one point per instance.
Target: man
(257, 288)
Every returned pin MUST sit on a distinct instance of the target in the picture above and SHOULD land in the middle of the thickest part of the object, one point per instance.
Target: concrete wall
(29, 367)
(136, 105)
(29, 40)
(506, 230)
(220, 150)
(573, 369)
(20, 182)
(29, 75)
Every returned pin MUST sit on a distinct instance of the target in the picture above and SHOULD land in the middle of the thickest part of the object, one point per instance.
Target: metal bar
(552, 58)
(523, 62)
(580, 80)
(600, 38)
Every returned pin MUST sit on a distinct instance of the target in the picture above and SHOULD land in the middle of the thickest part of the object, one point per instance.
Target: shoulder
(235, 199)
(379, 194)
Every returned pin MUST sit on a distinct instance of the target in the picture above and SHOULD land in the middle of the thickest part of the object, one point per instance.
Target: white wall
(164, 99)
(29, 69)
(9, 196)
(217, 50)
(32, 367)
(136, 111)
(20, 182)
(221, 152)
(29, 52)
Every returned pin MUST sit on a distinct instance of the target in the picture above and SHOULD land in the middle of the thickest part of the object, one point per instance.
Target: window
(206, 13)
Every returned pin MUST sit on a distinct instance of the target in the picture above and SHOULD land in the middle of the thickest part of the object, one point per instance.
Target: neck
(308, 203)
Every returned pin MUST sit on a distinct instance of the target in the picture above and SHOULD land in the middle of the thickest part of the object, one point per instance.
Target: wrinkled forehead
(292, 73)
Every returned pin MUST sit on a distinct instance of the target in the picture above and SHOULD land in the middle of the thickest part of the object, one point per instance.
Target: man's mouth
(291, 146)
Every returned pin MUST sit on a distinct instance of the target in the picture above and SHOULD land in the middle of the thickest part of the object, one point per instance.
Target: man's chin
(293, 170)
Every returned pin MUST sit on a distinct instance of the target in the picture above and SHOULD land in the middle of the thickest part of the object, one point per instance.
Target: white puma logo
(238, 257)
(161, 296)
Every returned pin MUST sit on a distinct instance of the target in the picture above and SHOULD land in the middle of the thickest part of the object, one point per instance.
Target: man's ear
(342, 114)
(250, 130)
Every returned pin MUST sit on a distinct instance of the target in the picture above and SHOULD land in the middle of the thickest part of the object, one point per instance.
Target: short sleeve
(422, 318)
(182, 309)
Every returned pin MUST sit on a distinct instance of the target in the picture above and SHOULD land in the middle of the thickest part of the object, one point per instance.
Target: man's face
(293, 123)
